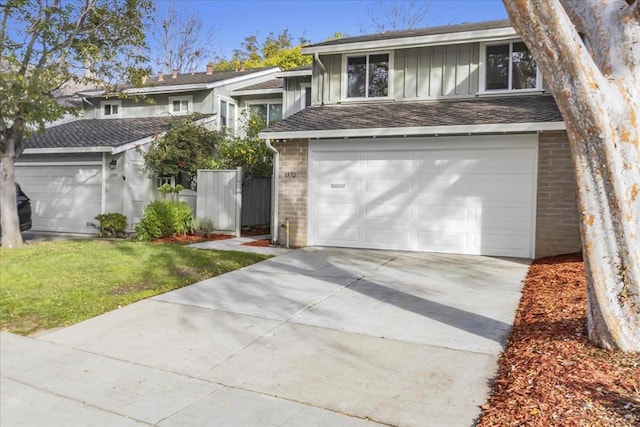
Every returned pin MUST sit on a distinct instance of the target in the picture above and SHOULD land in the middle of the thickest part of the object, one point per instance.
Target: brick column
(292, 189)
(557, 220)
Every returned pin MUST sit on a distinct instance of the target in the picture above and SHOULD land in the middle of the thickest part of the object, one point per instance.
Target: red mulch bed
(264, 243)
(550, 375)
(188, 239)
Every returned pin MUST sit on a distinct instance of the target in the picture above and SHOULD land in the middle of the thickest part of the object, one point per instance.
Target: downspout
(316, 57)
(275, 225)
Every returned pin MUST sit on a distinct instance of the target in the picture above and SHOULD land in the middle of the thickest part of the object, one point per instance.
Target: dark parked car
(24, 209)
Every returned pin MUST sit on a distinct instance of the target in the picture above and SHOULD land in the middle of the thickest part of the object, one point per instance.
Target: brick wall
(293, 189)
(558, 222)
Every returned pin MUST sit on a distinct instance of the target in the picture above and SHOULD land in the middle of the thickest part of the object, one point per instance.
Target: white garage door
(472, 195)
(63, 198)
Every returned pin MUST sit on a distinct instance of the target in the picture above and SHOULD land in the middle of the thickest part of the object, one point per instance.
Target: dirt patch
(549, 374)
(264, 243)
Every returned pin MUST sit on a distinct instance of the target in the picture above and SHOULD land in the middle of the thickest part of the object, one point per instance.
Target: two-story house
(79, 169)
(439, 139)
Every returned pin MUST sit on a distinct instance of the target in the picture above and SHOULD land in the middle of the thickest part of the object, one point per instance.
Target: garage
(64, 197)
(462, 194)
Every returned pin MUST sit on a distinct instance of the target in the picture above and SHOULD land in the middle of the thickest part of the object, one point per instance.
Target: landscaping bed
(549, 374)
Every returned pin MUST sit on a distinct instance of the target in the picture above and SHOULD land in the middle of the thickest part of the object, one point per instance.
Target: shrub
(163, 218)
(203, 226)
(112, 224)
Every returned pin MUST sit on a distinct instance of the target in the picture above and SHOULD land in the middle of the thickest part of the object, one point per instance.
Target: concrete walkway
(238, 244)
(315, 337)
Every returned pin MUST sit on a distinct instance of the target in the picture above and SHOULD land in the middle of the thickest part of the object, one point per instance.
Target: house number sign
(290, 174)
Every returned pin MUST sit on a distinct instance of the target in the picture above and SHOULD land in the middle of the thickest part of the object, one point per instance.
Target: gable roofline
(417, 131)
(453, 34)
(295, 73)
(201, 86)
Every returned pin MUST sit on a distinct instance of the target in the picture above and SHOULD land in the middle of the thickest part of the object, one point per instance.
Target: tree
(596, 84)
(400, 15)
(186, 147)
(45, 44)
(246, 151)
(180, 43)
(275, 51)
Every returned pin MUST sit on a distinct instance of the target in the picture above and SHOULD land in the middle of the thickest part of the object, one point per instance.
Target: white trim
(116, 102)
(62, 150)
(534, 213)
(304, 88)
(298, 73)
(53, 164)
(201, 86)
(413, 131)
(181, 98)
(233, 102)
(483, 71)
(344, 96)
(405, 42)
(104, 177)
(241, 92)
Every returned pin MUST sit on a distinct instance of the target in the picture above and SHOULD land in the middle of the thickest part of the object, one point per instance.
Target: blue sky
(316, 20)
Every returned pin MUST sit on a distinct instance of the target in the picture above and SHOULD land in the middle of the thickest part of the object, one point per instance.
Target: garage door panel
(462, 199)
(63, 198)
(387, 210)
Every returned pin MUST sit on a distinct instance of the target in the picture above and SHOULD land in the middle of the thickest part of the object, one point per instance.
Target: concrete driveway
(316, 337)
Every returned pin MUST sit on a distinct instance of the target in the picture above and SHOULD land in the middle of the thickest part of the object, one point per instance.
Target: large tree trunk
(11, 236)
(598, 92)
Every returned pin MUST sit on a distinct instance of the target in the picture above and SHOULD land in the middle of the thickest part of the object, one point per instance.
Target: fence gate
(220, 198)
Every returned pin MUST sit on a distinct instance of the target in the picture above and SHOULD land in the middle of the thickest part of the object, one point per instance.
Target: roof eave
(410, 41)
(298, 73)
(415, 131)
(241, 92)
(68, 150)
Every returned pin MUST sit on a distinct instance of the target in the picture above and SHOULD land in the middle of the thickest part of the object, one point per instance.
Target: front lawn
(55, 284)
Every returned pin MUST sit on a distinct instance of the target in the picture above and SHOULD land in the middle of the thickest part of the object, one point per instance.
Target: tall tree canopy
(397, 15)
(589, 54)
(179, 41)
(46, 44)
(280, 50)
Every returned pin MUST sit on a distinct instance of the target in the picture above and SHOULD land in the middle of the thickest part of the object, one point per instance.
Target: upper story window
(368, 76)
(111, 109)
(510, 66)
(270, 112)
(227, 114)
(181, 104)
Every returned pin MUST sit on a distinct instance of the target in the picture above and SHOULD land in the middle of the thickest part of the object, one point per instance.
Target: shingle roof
(269, 84)
(99, 133)
(196, 78)
(480, 111)
(459, 28)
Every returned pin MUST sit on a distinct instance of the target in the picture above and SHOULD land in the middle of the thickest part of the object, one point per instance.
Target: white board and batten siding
(468, 194)
(65, 194)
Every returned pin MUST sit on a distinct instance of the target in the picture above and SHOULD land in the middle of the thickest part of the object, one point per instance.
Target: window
(270, 113)
(305, 96)
(510, 66)
(180, 104)
(368, 76)
(227, 112)
(111, 109)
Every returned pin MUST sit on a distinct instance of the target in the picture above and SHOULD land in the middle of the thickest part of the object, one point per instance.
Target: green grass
(55, 284)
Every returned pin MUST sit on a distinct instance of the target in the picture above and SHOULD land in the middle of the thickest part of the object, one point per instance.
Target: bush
(203, 226)
(112, 224)
(164, 218)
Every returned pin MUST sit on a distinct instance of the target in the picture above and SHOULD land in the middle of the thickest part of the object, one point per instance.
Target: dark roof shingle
(99, 133)
(196, 78)
(479, 111)
(269, 84)
(429, 31)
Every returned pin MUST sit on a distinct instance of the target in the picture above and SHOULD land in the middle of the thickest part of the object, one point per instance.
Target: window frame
(304, 89)
(483, 74)
(345, 76)
(233, 129)
(267, 102)
(181, 98)
(117, 103)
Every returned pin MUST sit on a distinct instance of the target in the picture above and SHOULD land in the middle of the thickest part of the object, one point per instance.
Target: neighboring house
(438, 139)
(79, 169)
